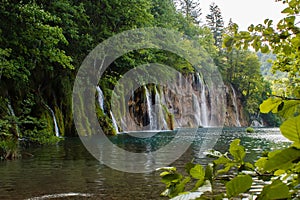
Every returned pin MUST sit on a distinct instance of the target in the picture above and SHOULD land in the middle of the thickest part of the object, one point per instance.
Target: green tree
(31, 57)
(215, 22)
(282, 39)
(190, 9)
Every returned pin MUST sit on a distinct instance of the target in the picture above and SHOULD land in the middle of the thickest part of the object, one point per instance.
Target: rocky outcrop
(188, 102)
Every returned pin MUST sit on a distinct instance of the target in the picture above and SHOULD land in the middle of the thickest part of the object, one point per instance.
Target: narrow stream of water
(68, 171)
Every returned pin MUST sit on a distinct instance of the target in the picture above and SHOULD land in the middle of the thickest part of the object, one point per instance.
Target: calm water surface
(68, 171)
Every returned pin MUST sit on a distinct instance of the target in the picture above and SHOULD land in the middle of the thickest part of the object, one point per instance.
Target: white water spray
(151, 114)
(114, 122)
(56, 129)
(100, 98)
(237, 116)
(12, 113)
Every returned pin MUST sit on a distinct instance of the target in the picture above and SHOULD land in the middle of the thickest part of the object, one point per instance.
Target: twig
(286, 98)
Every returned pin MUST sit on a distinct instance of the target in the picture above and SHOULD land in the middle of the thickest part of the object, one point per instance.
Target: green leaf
(279, 172)
(291, 129)
(206, 187)
(222, 160)
(277, 190)
(238, 184)
(261, 162)
(171, 178)
(251, 28)
(264, 48)
(288, 10)
(209, 172)
(197, 172)
(282, 159)
(290, 108)
(179, 188)
(290, 19)
(164, 173)
(228, 166)
(197, 185)
(189, 166)
(228, 42)
(271, 104)
(249, 166)
(236, 150)
(266, 21)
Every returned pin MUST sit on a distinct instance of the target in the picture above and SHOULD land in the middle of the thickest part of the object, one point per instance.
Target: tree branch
(286, 98)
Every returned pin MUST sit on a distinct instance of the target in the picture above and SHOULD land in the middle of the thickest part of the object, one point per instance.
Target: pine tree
(190, 9)
(215, 23)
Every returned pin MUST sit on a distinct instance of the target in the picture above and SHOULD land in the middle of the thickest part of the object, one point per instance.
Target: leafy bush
(9, 149)
(281, 166)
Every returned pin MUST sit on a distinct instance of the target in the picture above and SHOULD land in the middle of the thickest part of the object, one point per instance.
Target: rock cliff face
(188, 102)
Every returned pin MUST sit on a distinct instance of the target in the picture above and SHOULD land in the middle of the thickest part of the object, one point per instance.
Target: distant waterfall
(11, 110)
(237, 116)
(114, 122)
(56, 129)
(100, 98)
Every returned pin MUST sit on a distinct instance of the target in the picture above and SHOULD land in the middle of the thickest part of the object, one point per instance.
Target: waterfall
(114, 122)
(237, 116)
(56, 129)
(151, 114)
(100, 98)
(101, 104)
(204, 108)
(179, 81)
(12, 113)
(162, 124)
(197, 110)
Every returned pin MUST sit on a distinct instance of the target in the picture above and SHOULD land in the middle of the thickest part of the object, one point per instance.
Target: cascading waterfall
(56, 129)
(204, 109)
(162, 124)
(101, 104)
(237, 116)
(100, 98)
(151, 114)
(114, 122)
(203, 102)
(12, 113)
(197, 110)
(156, 105)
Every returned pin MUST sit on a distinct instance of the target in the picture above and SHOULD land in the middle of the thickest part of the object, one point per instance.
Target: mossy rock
(250, 130)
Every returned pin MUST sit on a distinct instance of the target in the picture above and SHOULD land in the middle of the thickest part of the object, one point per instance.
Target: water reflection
(69, 169)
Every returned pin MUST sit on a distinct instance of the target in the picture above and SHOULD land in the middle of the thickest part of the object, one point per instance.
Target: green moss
(48, 122)
(105, 122)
